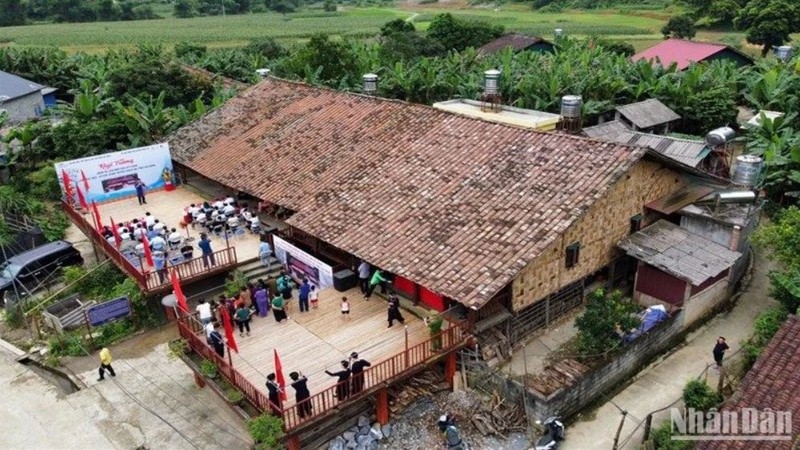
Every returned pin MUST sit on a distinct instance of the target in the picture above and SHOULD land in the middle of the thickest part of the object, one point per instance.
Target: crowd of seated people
(166, 243)
(222, 216)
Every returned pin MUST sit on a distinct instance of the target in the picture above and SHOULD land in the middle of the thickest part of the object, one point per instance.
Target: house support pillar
(293, 442)
(450, 368)
(382, 406)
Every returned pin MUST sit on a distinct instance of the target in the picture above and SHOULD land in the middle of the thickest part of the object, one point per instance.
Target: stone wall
(572, 399)
(598, 232)
(702, 303)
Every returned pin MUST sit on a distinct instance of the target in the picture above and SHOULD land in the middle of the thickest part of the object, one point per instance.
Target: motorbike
(554, 432)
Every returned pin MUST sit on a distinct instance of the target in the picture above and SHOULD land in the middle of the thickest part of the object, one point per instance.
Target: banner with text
(303, 265)
(114, 175)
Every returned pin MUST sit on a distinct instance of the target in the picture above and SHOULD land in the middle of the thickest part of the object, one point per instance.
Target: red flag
(82, 199)
(96, 213)
(279, 374)
(67, 186)
(226, 322)
(148, 255)
(117, 237)
(85, 181)
(176, 286)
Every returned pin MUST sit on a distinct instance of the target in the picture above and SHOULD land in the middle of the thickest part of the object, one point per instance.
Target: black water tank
(344, 280)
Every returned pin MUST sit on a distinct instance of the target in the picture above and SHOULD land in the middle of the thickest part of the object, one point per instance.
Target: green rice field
(639, 27)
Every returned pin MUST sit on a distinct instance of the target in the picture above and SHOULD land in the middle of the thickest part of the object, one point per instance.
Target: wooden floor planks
(315, 341)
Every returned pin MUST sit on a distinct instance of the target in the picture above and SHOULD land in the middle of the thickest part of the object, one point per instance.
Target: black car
(23, 273)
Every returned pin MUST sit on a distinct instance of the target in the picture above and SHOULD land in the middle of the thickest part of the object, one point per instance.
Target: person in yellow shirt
(105, 363)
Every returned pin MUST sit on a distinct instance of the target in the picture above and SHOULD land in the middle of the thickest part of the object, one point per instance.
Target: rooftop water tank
(747, 170)
(262, 72)
(370, 83)
(720, 136)
(784, 52)
(491, 82)
(571, 106)
(558, 33)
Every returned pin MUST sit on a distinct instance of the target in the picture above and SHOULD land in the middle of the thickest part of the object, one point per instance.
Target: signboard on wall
(114, 175)
(303, 265)
(109, 311)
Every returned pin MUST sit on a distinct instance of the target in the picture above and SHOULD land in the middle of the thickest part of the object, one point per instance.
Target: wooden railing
(325, 403)
(149, 280)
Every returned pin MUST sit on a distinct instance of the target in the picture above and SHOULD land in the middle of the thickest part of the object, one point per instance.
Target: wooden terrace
(318, 340)
(168, 207)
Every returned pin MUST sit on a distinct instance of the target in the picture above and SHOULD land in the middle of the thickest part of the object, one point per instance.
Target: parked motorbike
(554, 432)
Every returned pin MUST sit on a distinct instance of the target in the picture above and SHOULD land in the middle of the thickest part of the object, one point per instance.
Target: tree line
(22, 12)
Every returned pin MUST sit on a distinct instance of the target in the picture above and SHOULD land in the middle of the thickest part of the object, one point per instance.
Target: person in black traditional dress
(394, 310)
(357, 368)
(274, 395)
(301, 394)
(343, 388)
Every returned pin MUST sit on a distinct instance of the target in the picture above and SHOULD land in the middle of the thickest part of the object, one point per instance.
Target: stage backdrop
(302, 264)
(113, 175)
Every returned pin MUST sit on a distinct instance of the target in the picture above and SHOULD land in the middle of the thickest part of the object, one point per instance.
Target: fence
(150, 281)
(326, 402)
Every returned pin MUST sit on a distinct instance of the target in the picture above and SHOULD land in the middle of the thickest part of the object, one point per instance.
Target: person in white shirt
(208, 328)
(233, 222)
(139, 249)
(229, 201)
(125, 235)
(149, 219)
(158, 243)
(112, 240)
(215, 213)
(204, 312)
(246, 214)
(219, 204)
(255, 224)
(194, 210)
(138, 231)
(158, 225)
(174, 238)
(202, 218)
(229, 210)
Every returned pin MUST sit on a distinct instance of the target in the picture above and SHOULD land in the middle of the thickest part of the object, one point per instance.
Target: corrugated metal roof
(678, 252)
(514, 40)
(684, 151)
(681, 52)
(456, 204)
(12, 86)
(648, 113)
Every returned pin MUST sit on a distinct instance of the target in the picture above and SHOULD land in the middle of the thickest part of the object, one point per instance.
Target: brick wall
(598, 231)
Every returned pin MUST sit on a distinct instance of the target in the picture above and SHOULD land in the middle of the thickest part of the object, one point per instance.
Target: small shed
(686, 151)
(649, 116)
(518, 43)
(679, 269)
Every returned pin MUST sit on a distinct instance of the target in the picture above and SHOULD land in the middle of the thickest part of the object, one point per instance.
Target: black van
(24, 272)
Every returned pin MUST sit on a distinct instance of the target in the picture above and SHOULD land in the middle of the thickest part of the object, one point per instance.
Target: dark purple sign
(109, 311)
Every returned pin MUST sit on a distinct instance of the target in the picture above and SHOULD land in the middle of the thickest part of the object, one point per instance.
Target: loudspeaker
(344, 280)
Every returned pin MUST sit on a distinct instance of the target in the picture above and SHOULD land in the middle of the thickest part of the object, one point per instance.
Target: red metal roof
(458, 205)
(773, 383)
(679, 51)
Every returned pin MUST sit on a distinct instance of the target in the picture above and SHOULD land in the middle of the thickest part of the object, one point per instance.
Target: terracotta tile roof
(458, 205)
(774, 383)
(516, 41)
(682, 52)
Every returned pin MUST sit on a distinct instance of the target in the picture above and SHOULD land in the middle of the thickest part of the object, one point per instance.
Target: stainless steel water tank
(720, 136)
(784, 52)
(735, 197)
(571, 106)
(747, 170)
(370, 83)
(491, 82)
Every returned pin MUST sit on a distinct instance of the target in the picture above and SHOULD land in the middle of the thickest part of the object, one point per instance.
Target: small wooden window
(572, 254)
(636, 223)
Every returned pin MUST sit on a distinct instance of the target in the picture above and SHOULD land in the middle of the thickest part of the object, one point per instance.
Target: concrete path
(662, 383)
(151, 403)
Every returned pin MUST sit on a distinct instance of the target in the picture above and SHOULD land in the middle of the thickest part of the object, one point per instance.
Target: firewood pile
(495, 348)
(557, 376)
(422, 385)
(497, 418)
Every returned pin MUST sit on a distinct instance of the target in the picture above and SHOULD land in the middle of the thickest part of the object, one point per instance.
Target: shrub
(209, 369)
(114, 332)
(177, 348)
(662, 439)
(234, 395)
(698, 394)
(597, 324)
(764, 328)
(267, 432)
(186, 50)
(235, 284)
(785, 288)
